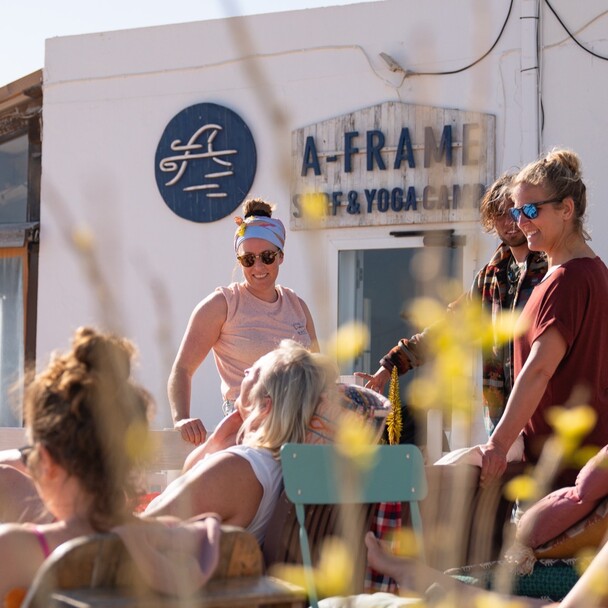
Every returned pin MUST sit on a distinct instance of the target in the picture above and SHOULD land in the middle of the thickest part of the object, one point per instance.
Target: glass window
(20, 176)
(13, 180)
(12, 334)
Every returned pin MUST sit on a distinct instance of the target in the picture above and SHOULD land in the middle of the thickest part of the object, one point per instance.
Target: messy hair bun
(564, 161)
(92, 419)
(257, 206)
(103, 353)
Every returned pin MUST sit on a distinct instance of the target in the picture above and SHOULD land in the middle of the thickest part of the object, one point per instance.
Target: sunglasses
(25, 452)
(529, 210)
(267, 257)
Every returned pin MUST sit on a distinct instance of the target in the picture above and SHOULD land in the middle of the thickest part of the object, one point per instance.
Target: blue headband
(259, 227)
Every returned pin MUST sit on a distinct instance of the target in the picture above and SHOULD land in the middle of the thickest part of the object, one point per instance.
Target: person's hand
(378, 381)
(493, 463)
(192, 430)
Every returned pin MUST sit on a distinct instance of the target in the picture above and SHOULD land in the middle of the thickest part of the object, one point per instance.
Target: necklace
(513, 275)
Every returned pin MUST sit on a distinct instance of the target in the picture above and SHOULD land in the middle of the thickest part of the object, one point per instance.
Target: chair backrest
(282, 541)
(97, 560)
(321, 475)
(102, 561)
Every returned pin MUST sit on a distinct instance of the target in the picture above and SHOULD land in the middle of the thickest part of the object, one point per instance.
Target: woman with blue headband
(240, 322)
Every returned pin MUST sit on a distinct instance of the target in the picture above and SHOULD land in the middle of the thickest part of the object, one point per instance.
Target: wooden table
(246, 592)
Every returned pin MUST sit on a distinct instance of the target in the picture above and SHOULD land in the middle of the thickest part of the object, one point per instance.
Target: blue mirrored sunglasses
(529, 210)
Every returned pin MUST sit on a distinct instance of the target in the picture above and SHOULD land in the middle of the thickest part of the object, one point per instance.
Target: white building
(506, 77)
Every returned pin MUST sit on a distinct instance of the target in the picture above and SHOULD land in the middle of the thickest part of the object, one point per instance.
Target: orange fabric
(14, 598)
(143, 501)
(590, 532)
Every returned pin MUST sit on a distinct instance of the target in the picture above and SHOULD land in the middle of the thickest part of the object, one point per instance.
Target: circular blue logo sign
(205, 162)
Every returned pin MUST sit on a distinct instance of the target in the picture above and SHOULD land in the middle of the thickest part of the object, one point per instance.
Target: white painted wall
(108, 97)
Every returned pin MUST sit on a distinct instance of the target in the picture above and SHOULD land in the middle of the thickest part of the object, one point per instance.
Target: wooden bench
(97, 570)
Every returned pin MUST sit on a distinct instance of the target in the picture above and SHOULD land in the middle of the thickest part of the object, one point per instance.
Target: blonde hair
(559, 171)
(295, 380)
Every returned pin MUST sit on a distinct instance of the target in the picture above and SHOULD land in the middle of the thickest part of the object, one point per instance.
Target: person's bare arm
(223, 436)
(590, 589)
(201, 334)
(22, 557)
(546, 353)
(224, 484)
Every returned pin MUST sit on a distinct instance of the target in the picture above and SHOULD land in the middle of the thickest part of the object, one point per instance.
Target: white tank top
(268, 472)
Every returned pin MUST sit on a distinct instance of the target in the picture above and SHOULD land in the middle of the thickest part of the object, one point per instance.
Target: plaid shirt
(497, 295)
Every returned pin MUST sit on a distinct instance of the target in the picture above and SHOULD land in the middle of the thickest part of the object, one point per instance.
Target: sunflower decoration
(394, 422)
(242, 224)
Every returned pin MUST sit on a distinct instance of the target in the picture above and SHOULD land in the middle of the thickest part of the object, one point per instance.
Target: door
(377, 286)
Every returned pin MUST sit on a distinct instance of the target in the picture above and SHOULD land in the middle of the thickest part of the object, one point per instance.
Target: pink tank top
(252, 329)
(44, 545)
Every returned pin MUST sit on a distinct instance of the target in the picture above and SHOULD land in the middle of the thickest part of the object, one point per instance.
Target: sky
(26, 24)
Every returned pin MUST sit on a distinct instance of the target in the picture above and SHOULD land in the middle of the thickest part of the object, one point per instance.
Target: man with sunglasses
(503, 284)
(241, 322)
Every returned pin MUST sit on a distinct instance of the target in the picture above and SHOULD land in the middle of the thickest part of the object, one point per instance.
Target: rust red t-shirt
(574, 300)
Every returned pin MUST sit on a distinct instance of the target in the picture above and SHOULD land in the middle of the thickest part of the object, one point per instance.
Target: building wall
(113, 253)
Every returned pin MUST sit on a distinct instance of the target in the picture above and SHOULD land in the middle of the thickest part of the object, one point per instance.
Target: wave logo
(205, 162)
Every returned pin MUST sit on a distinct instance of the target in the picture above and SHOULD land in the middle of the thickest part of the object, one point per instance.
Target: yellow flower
(522, 487)
(450, 291)
(506, 327)
(296, 575)
(334, 573)
(571, 424)
(394, 421)
(404, 543)
(426, 311)
(332, 576)
(349, 341)
(598, 584)
(138, 442)
(356, 440)
(314, 205)
(584, 558)
(452, 362)
(83, 239)
(493, 600)
(584, 454)
(424, 393)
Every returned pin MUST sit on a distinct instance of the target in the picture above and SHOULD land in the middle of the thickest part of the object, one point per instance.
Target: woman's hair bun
(565, 158)
(257, 206)
(104, 354)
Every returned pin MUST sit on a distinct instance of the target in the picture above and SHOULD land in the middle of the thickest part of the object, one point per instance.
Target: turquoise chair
(321, 475)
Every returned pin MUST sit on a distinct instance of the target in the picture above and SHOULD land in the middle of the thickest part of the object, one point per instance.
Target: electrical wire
(466, 67)
(539, 80)
(572, 36)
